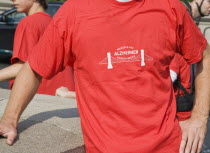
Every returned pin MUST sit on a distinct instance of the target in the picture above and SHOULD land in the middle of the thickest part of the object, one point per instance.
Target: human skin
(64, 92)
(205, 9)
(193, 129)
(28, 7)
(10, 72)
(14, 109)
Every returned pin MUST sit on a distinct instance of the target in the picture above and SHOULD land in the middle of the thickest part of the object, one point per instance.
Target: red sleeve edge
(199, 57)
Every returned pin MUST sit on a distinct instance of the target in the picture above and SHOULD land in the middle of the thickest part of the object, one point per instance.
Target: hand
(8, 131)
(64, 92)
(193, 134)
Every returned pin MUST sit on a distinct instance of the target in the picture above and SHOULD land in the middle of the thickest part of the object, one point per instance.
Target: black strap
(188, 6)
(199, 8)
(180, 86)
(184, 102)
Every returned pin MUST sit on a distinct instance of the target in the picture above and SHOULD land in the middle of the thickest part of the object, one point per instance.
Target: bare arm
(194, 129)
(25, 87)
(11, 71)
(64, 92)
(202, 84)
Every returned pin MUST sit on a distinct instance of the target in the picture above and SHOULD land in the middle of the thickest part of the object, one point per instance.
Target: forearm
(202, 84)
(25, 87)
(10, 72)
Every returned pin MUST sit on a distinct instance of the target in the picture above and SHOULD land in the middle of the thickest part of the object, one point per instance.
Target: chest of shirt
(124, 39)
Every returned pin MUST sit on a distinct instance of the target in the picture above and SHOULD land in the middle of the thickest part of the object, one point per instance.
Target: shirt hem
(37, 70)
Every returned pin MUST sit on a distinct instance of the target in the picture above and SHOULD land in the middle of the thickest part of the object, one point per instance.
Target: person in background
(121, 51)
(64, 92)
(197, 8)
(28, 33)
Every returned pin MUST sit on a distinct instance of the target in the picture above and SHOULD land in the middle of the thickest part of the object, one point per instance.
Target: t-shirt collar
(124, 3)
(123, 0)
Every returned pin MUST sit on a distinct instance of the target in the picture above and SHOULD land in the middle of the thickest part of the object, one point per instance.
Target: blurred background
(9, 19)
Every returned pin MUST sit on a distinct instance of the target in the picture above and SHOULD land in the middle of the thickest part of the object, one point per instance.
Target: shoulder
(23, 24)
(66, 13)
(38, 18)
(76, 6)
(70, 4)
(178, 6)
(34, 19)
(38, 21)
(178, 9)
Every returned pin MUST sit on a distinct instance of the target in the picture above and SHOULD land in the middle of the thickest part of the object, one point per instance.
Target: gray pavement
(48, 125)
(51, 124)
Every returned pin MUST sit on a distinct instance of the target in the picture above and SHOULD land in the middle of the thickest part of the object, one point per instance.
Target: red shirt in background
(27, 35)
(121, 53)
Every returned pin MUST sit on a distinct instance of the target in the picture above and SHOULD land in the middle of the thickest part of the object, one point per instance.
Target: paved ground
(54, 127)
(48, 125)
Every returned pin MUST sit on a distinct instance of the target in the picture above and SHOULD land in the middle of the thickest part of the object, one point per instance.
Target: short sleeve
(191, 41)
(53, 52)
(182, 116)
(25, 39)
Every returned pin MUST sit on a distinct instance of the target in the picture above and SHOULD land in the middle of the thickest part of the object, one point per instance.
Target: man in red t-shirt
(121, 52)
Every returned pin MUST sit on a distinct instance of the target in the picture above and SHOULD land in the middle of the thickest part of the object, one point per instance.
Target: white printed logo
(121, 56)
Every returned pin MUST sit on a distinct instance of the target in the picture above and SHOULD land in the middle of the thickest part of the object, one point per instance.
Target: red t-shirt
(182, 68)
(27, 35)
(121, 54)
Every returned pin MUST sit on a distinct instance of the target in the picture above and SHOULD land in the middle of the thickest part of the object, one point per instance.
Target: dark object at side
(8, 23)
(184, 102)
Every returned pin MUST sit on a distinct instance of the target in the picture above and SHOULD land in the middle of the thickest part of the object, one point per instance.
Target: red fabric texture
(121, 54)
(182, 116)
(27, 35)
